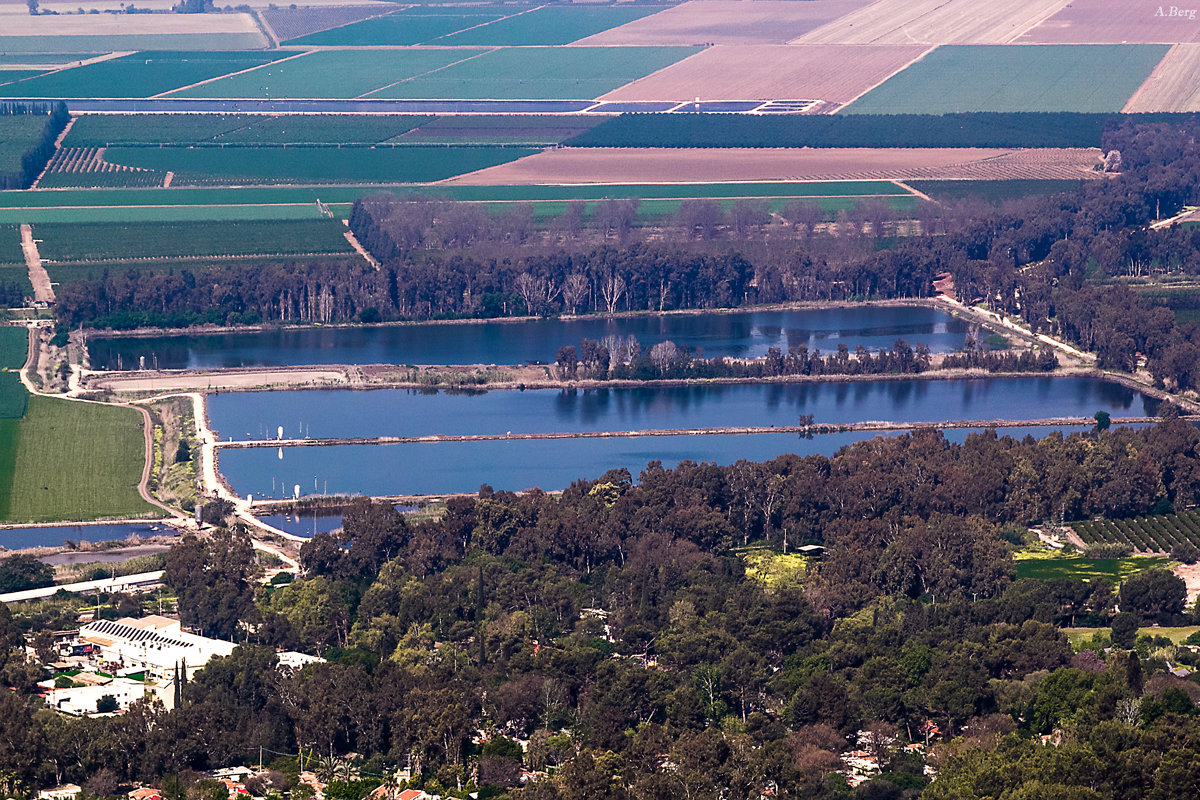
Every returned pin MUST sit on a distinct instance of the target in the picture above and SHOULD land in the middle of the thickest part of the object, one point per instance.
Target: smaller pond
(103, 556)
(59, 535)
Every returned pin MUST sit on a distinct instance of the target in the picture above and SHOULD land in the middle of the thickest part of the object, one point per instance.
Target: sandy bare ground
(1191, 579)
(727, 22)
(1115, 22)
(1173, 86)
(935, 22)
(649, 165)
(23, 24)
(216, 380)
(43, 291)
(835, 73)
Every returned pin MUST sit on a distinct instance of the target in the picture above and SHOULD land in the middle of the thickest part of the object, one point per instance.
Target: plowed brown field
(835, 73)
(935, 22)
(646, 165)
(1116, 22)
(727, 22)
(1173, 86)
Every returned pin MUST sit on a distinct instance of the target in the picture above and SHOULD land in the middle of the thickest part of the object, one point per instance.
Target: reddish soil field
(727, 22)
(1173, 86)
(1117, 22)
(648, 165)
(834, 73)
(935, 22)
(292, 23)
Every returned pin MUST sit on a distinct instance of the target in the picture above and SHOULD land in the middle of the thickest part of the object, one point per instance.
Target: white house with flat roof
(154, 645)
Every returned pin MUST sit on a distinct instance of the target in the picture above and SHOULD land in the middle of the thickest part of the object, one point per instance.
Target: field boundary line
(426, 73)
(482, 24)
(265, 27)
(916, 192)
(229, 75)
(870, 89)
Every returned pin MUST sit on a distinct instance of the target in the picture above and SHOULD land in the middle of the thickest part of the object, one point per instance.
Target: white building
(82, 700)
(154, 645)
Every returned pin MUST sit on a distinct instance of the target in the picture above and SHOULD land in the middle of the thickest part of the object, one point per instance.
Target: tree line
(34, 159)
(622, 358)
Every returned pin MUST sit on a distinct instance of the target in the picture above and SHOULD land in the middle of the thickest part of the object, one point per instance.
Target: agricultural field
(647, 165)
(311, 165)
(71, 461)
(1173, 85)
(1113, 22)
(847, 130)
(991, 191)
(726, 22)
(14, 347)
(762, 72)
(86, 166)
(408, 26)
(106, 130)
(549, 25)
(329, 74)
(8, 76)
(127, 241)
(289, 24)
(996, 78)
(534, 129)
(1155, 534)
(537, 73)
(18, 133)
(49, 33)
(934, 22)
(1056, 567)
(137, 75)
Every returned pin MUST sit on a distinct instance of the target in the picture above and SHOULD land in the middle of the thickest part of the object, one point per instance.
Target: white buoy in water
(280, 434)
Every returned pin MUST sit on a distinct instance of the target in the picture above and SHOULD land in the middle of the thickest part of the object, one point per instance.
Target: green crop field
(137, 75)
(14, 347)
(537, 129)
(407, 27)
(538, 73)
(13, 397)
(275, 165)
(71, 461)
(991, 191)
(329, 74)
(1064, 568)
(550, 25)
(283, 202)
(10, 245)
(17, 274)
(110, 130)
(8, 76)
(120, 179)
(163, 213)
(954, 78)
(113, 43)
(116, 242)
